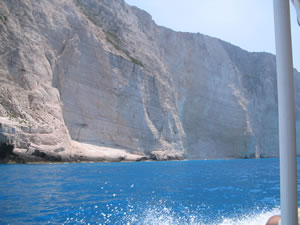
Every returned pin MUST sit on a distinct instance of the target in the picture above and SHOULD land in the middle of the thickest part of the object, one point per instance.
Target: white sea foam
(159, 213)
(165, 216)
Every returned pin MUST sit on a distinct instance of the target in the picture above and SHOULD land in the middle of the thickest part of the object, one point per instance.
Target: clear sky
(245, 23)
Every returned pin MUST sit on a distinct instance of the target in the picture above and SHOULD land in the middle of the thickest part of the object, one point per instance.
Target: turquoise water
(178, 192)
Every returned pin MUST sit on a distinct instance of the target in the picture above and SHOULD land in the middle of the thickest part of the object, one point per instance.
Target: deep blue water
(178, 192)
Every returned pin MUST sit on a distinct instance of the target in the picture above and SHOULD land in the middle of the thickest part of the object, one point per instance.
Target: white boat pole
(287, 114)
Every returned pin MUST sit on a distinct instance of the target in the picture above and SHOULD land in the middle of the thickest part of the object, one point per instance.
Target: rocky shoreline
(14, 150)
(81, 153)
(8, 156)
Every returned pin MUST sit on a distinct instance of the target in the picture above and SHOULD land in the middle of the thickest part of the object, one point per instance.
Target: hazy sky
(245, 23)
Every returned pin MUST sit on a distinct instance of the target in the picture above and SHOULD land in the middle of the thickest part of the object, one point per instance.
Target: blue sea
(174, 192)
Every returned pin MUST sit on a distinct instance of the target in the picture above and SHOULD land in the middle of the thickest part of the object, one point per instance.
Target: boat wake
(166, 216)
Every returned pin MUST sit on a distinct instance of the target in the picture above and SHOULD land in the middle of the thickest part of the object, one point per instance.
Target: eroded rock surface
(99, 80)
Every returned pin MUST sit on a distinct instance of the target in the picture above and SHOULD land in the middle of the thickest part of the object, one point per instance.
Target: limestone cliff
(99, 80)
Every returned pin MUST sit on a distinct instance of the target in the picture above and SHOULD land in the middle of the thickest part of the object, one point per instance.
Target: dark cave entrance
(6, 152)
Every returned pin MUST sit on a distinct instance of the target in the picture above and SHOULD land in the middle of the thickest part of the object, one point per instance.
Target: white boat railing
(287, 112)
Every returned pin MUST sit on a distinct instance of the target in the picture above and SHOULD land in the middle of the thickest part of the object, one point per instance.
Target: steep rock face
(227, 96)
(99, 80)
(63, 77)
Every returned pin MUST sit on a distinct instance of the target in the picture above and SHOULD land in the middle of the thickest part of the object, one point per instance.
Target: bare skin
(274, 220)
